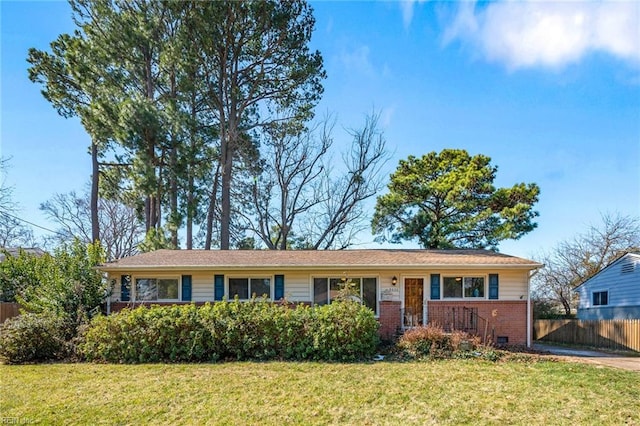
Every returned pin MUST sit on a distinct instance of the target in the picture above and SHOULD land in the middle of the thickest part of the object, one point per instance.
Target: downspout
(535, 271)
(109, 293)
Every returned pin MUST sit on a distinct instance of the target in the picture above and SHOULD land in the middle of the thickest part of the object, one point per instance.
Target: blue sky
(549, 90)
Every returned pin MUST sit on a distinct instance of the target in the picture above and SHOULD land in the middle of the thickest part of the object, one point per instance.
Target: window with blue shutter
(278, 290)
(186, 288)
(493, 286)
(435, 286)
(125, 288)
(218, 283)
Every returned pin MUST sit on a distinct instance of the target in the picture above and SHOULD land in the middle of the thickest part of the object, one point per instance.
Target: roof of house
(613, 262)
(15, 251)
(309, 259)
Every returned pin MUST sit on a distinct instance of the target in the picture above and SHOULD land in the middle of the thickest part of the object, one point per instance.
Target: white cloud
(386, 116)
(549, 34)
(358, 60)
(406, 6)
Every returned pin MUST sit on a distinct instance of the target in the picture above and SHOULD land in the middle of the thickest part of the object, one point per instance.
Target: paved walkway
(631, 363)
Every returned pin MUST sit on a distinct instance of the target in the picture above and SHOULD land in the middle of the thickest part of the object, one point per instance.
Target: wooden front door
(413, 302)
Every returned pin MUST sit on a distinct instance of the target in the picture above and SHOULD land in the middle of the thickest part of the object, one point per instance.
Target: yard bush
(255, 330)
(295, 339)
(167, 334)
(344, 331)
(33, 337)
(247, 329)
(432, 342)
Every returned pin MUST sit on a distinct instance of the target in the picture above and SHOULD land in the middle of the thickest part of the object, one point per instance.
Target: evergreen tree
(448, 200)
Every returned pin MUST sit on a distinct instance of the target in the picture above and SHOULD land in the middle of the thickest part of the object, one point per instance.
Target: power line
(31, 223)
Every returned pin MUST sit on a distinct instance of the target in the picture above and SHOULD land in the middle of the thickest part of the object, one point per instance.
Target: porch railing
(454, 318)
(411, 318)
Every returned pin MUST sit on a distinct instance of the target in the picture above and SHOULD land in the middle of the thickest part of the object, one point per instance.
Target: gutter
(529, 325)
(314, 267)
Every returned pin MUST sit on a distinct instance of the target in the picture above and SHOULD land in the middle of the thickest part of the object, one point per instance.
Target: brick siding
(389, 319)
(503, 318)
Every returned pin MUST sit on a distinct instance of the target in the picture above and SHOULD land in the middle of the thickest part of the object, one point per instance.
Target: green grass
(277, 393)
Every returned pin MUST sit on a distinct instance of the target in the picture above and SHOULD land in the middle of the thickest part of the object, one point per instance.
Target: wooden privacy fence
(8, 310)
(610, 334)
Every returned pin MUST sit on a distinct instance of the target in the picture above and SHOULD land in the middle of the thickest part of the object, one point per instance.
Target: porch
(449, 317)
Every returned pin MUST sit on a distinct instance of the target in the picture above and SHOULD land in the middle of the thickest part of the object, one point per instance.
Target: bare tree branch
(572, 262)
(121, 231)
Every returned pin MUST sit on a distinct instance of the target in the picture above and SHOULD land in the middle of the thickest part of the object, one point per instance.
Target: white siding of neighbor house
(623, 287)
(299, 284)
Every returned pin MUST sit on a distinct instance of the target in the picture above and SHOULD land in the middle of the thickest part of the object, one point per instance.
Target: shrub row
(34, 337)
(255, 330)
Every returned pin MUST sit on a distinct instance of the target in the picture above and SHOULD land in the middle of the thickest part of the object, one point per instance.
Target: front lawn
(436, 392)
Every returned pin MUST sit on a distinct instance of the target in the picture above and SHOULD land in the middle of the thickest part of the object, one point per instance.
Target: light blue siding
(609, 313)
(621, 279)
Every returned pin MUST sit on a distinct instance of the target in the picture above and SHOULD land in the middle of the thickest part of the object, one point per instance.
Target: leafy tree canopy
(65, 284)
(448, 200)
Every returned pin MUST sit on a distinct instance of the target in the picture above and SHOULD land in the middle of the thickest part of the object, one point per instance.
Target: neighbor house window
(463, 287)
(157, 289)
(246, 288)
(325, 290)
(600, 298)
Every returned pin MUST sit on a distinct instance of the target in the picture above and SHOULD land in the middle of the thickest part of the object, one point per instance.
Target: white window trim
(463, 276)
(134, 287)
(249, 277)
(329, 276)
(600, 291)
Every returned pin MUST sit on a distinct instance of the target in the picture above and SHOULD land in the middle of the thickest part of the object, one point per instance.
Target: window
(600, 298)
(463, 287)
(246, 288)
(148, 289)
(325, 290)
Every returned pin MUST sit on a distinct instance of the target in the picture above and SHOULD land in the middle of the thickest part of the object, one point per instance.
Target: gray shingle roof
(306, 259)
(15, 251)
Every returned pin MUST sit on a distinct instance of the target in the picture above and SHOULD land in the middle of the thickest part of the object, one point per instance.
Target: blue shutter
(278, 290)
(435, 286)
(125, 288)
(493, 286)
(218, 283)
(186, 287)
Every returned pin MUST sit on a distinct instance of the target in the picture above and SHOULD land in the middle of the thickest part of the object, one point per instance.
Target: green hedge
(32, 338)
(255, 330)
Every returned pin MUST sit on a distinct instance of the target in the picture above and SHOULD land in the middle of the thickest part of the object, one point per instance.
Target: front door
(413, 297)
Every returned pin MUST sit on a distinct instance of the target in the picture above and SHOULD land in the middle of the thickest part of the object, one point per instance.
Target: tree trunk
(566, 305)
(173, 173)
(191, 167)
(212, 208)
(173, 187)
(95, 180)
(225, 214)
(190, 211)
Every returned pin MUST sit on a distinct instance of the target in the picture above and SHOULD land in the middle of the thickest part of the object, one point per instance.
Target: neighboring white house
(612, 293)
